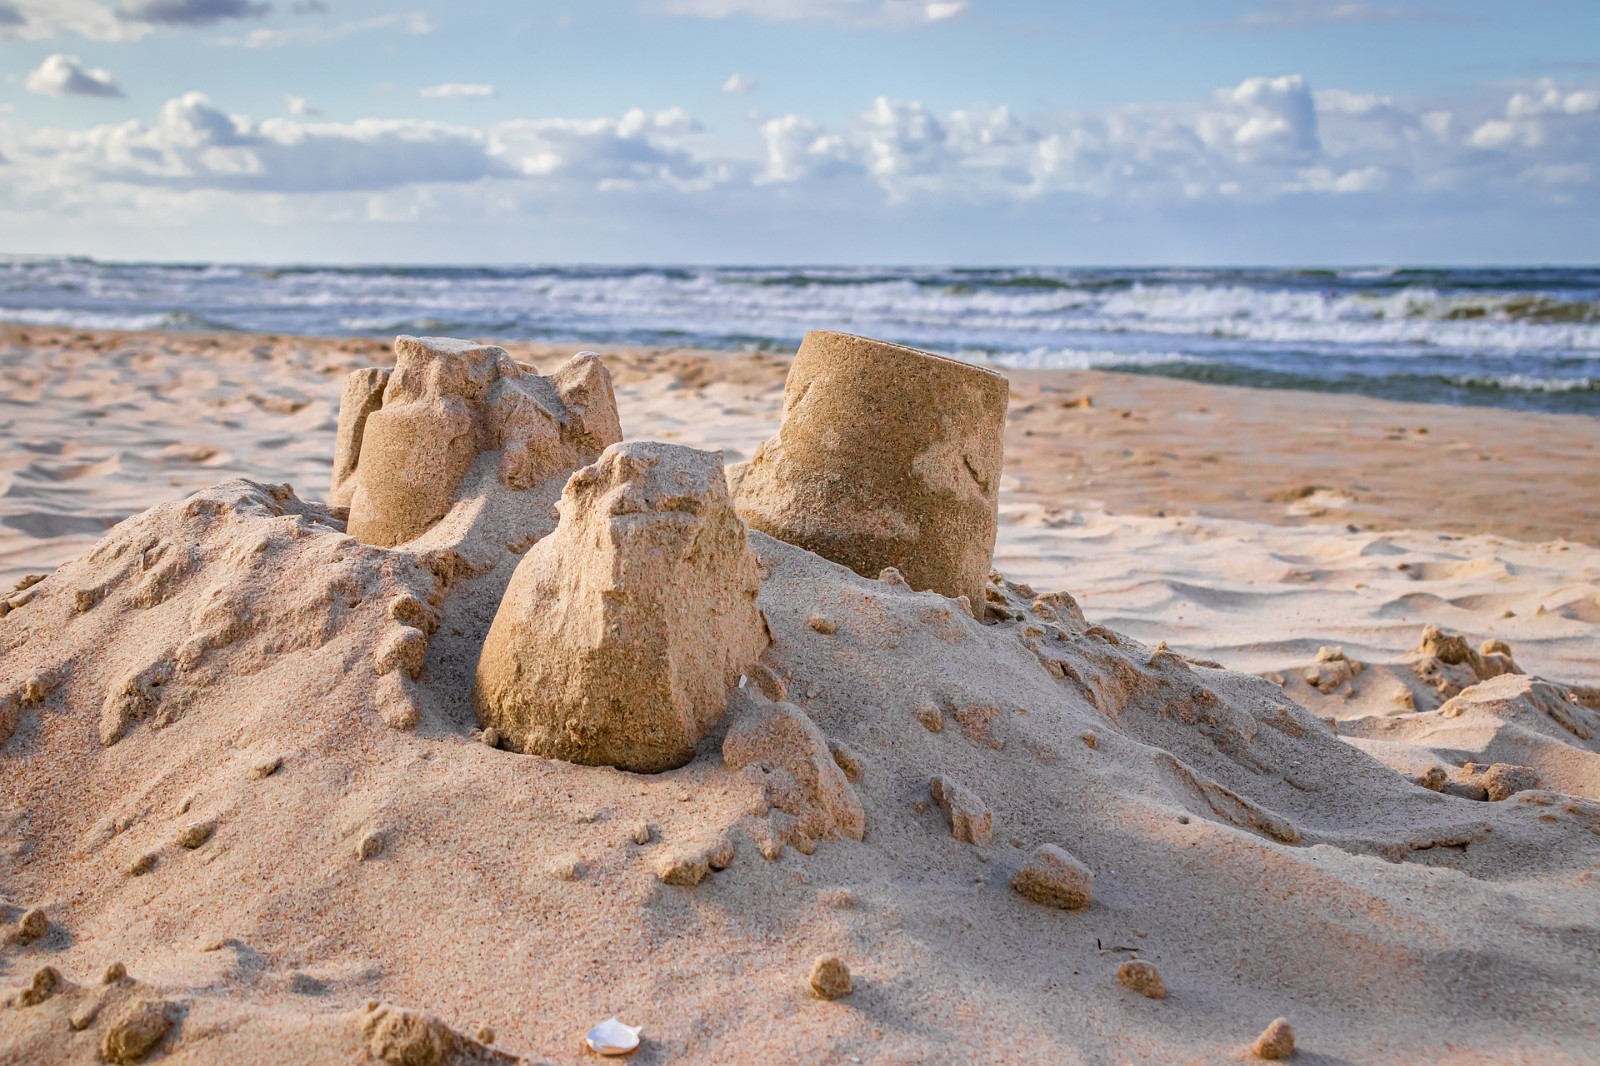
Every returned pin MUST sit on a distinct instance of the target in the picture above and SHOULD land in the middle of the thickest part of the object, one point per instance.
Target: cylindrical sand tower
(887, 456)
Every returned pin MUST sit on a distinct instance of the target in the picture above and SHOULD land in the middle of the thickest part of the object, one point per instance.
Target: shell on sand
(612, 1037)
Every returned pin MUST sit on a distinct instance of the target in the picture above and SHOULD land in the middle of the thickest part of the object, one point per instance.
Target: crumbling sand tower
(408, 437)
(887, 457)
(621, 633)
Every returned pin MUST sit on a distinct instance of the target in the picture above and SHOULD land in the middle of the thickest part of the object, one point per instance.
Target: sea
(1517, 338)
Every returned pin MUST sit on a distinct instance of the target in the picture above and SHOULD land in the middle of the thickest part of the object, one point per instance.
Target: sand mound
(238, 662)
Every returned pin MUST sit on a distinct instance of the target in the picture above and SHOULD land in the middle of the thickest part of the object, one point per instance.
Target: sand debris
(1139, 976)
(194, 834)
(830, 978)
(1052, 876)
(136, 1028)
(1276, 1042)
(970, 818)
(33, 925)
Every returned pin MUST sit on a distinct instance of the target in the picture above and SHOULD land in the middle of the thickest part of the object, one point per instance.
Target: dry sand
(203, 781)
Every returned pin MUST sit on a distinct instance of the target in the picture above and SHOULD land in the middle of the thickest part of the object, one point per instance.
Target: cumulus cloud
(455, 90)
(740, 84)
(892, 14)
(64, 75)
(190, 12)
(299, 105)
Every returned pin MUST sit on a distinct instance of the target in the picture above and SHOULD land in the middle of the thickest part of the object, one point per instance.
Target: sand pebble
(1276, 1042)
(266, 767)
(822, 625)
(680, 868)
(485, 1034)
(46, 979)
(970, 818)
(490, 737)
(113, 973)
(136, 1030)
(846, 758)
(641, 833)
(84, 1016)
(195, 834)
(1139, 976)
(370, 845)
(839, 899)
(31, 926)
(830, 978)
(932, 718)
(1052, 876)
(568, 868)
(143, 864)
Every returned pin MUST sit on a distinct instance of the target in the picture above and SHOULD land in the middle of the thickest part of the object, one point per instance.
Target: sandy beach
(1404, 869)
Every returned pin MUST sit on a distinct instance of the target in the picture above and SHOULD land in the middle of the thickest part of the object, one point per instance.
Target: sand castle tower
(887, 457)
(410, 439)
(622, 632)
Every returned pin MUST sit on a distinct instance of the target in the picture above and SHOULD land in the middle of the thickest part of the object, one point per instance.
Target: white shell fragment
(611, 1037)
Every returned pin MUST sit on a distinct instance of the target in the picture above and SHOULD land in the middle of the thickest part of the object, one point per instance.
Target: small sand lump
(194, 834)
(1276, 1042)
(1139, 976)
(969, 817)
(136, 1031)
(1053, 877)
(830, 978)
(33, 925)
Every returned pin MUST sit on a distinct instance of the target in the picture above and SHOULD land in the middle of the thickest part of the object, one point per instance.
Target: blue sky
(890, 131)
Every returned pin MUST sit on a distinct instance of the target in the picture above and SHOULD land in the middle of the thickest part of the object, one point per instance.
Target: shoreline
(1084, 439)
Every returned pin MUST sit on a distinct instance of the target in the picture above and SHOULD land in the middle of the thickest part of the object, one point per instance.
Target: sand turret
(621, 633)
(886, 457)
(409, 438)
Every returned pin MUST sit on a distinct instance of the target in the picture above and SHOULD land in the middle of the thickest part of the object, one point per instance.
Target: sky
(1051, 132)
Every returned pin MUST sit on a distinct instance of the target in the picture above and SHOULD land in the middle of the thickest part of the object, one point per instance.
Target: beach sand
(1231, 550)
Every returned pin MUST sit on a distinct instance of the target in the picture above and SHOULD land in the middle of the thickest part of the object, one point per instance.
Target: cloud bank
(1267, 144)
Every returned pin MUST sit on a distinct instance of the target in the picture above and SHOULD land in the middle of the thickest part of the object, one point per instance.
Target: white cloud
(299, 105)
(455, 90)
(739, 83)
(38, 20)
(64, 75)
(413, 23)
(892, 14)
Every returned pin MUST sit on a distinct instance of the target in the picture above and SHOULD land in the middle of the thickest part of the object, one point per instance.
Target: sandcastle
(238, 751)
(886, 457)
(409, 438)
(621, 632)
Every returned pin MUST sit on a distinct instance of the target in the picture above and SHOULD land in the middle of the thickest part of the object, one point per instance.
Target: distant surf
(1521, 338)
